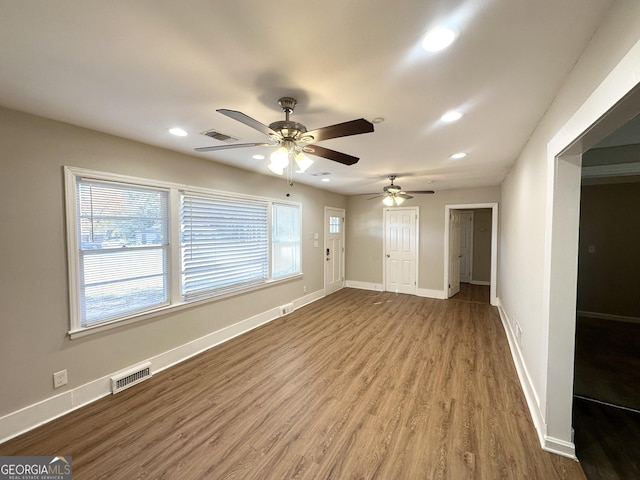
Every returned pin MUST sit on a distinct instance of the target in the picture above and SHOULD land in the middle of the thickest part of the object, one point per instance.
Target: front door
(333, 250)
(401, 250)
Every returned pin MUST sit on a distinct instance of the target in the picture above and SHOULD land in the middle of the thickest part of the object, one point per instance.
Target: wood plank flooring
(607, 361)
(358, 385)
(607, 440)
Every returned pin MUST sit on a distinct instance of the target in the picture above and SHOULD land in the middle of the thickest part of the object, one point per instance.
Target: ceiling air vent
(222, 137)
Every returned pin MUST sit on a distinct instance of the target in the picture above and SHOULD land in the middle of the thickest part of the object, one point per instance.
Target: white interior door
(401, 250)
(454, 253)
(466, 246)
(333, 249)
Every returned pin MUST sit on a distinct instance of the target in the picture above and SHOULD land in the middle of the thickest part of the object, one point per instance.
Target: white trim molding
(379, 287)
(429, 293)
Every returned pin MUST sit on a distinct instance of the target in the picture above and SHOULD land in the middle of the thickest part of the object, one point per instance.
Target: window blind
(122, 249)
(224, 244)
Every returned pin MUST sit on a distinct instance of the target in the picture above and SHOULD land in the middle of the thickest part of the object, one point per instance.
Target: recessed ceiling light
(178, 132)
(378, 120)
(437, 39)
(257, 156)
(451, 116)
(325, 179)
(456, 156)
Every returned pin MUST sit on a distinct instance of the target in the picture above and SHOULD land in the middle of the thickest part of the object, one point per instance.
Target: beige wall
(34, 313)
(609, 261)
(365, 232)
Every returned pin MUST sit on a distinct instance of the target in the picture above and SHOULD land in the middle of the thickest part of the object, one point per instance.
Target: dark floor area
(607, 440)
(607, 377)
(607, 365)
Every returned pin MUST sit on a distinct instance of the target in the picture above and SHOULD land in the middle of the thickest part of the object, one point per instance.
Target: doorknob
(388, 256)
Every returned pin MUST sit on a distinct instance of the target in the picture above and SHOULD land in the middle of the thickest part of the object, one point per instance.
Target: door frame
(415, 209)
(494, 245)
(324, 249)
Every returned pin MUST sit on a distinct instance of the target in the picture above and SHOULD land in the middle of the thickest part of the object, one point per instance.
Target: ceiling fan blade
(403, 195)
(330, 154)
(247, 120)
(377, 196)
(235, 145)
(354, 127)
(421, 191)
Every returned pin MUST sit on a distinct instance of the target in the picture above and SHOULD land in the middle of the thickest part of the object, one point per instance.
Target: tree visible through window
(122, 238)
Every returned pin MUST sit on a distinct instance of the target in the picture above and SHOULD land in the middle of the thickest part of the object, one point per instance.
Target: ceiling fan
(294, 140)
(394, 195)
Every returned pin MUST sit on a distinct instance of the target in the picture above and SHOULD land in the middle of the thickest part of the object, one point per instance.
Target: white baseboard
(425, 292)
(32, 416)
(420, 292)
(550, 444)
(559, 447)
(608, 316)
(365, 285)
(480, 282)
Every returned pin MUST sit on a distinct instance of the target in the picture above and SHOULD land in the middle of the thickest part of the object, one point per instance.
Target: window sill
(174, 308)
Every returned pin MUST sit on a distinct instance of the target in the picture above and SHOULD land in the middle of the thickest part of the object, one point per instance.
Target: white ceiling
(135, 69)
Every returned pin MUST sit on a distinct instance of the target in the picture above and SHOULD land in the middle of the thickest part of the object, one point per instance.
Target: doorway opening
(469, 228)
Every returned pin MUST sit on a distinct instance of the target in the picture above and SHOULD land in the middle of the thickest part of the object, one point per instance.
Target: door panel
(466, 246)
(334, 250)
(400, 246)
(454, 253)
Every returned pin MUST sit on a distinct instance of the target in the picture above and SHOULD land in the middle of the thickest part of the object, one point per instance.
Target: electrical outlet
(59, 379)
(304, 289)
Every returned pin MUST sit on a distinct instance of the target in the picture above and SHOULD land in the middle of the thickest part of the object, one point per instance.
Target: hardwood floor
(607, 440)
(607, 369)
(607, 361)
(358, 385)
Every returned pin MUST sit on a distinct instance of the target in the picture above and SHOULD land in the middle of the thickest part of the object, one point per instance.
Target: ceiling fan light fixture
(275, 169)
(398, 200)
(388, 201)
(280, 158)
(303, 161)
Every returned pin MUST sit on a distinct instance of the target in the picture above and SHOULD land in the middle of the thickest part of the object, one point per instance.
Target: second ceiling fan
(394, 195)
(294, 140)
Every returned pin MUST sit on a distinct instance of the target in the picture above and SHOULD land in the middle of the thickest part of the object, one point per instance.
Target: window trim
(176, 302)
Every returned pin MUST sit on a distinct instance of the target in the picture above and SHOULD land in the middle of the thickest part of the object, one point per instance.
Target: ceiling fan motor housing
(288, 129)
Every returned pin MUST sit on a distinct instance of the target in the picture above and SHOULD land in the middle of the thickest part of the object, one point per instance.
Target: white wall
(34, 313)
(539, 222)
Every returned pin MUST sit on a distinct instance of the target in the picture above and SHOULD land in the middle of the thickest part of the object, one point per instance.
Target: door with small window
(333, 250)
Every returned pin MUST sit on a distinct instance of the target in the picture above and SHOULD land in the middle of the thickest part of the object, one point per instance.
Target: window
(285, 233)
(224, 244)
(334, 224)
(138, 246)
(122, 254)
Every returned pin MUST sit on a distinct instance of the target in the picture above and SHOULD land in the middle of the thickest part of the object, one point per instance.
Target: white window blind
(122, 249)
(224, 244)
